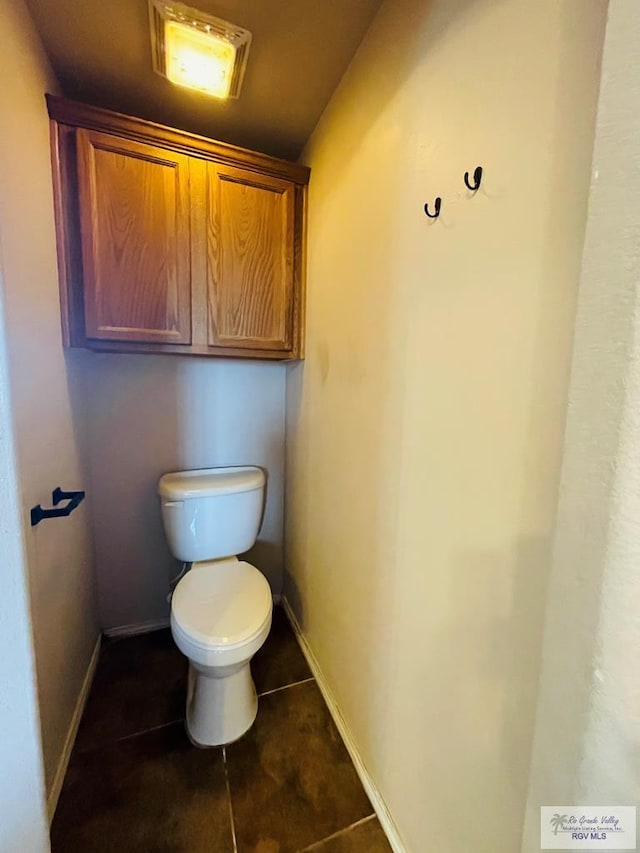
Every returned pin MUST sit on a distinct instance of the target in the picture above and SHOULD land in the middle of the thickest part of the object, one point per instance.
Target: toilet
(221, 609)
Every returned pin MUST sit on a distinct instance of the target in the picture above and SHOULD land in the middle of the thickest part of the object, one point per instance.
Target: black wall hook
(477, 178)
(436, 207)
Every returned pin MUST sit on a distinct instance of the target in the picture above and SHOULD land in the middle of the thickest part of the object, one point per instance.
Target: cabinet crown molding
(76, 114)
(169, 242)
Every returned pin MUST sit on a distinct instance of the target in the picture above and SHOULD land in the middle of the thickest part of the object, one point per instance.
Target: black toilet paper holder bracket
(57, 495)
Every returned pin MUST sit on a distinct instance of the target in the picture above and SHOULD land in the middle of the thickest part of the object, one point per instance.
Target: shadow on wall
(563, 242)
(149, 415)
(472, 694)
(480, 663)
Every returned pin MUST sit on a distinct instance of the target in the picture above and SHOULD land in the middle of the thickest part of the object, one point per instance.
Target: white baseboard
(386, 821)
(63, 763)
(137, 628)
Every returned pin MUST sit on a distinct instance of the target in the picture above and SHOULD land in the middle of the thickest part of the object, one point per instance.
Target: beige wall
(425, 427)
(148, 415)
(44, 386)
(22, 796)
(588, 722)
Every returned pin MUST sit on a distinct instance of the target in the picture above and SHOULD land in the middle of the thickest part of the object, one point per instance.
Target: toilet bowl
(221, 608)
(220, 617)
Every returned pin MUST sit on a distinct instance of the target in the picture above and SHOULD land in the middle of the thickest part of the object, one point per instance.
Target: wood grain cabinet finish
(169, 242)
(249, 259)
(135, 235)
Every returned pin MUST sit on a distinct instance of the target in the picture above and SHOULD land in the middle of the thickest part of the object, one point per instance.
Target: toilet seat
(219, 608)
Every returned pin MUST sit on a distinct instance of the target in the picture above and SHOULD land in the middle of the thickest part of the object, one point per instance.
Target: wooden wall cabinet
(169, 242)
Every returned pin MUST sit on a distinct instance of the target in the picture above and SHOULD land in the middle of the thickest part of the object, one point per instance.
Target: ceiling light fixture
(193, 49)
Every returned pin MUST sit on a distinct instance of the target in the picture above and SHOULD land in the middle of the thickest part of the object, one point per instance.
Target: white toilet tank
(213, 512)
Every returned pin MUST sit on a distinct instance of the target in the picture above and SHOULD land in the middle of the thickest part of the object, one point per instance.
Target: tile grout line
(316, 844)
(150, 729)
(113, 741)
(231, 818)
(285, 687)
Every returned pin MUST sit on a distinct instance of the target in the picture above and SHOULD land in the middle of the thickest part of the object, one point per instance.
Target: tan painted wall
(44, 385)
(24, 823)
(148, 415)
(425, 427)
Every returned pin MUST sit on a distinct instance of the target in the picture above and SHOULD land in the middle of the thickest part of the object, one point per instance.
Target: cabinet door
(134, 223)
(249, 259)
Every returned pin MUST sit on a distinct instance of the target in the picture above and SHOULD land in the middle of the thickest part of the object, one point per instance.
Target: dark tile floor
(136, 784)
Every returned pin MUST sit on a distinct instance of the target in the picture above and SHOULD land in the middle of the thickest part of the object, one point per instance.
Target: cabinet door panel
(249, 259)
(134, 212)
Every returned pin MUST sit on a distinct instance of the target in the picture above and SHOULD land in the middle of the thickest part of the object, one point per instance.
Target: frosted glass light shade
(196, 50)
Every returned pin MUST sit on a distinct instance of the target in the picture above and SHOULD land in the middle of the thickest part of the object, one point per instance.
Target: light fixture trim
(193, 49)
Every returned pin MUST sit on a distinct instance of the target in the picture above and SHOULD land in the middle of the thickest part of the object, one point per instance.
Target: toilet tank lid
(205, 482)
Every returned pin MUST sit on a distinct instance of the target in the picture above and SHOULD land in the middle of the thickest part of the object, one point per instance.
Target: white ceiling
(100, 51)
